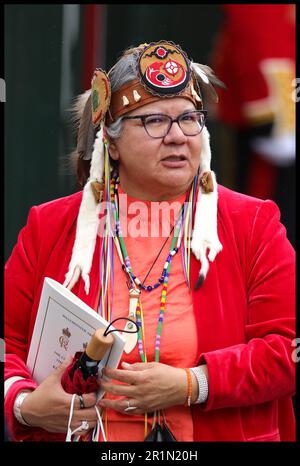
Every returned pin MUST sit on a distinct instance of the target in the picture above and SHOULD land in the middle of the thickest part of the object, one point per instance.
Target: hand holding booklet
(64, 325)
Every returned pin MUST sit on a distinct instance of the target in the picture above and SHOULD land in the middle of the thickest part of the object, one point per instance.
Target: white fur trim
(205, 234)
(205, 155)
(87, 223)
(85, 241)
(97, 162)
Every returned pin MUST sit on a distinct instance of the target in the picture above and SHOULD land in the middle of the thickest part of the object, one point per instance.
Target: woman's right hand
(48, 406)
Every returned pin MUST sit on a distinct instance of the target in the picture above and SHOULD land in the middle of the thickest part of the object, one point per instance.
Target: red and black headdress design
(164, 69)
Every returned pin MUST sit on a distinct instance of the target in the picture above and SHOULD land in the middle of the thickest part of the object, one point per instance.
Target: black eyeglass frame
(171, 120)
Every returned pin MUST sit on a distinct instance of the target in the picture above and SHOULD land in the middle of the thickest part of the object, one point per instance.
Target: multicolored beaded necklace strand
(182, 230)
(163, 280)
(112, 234)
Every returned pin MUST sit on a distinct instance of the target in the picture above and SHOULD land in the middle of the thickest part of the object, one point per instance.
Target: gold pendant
(131, 338)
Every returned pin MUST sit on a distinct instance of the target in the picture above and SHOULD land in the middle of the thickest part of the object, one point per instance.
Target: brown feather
(211, 76)
(77, 108)
(207, 88)
(86, 133)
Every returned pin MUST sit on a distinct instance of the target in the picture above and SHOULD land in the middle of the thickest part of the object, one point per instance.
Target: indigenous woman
(206, 273)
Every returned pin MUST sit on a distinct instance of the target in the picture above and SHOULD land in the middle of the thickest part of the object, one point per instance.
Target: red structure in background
(255, 57)
(93, 52)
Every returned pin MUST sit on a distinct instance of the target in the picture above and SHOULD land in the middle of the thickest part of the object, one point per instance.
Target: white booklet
(63, 326)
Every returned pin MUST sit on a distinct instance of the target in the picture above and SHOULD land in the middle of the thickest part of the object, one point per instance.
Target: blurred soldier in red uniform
(255, 57)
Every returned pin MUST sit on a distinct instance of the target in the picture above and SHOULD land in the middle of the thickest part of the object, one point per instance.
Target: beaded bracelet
(202, 384)
(17, 407)
(189, 387)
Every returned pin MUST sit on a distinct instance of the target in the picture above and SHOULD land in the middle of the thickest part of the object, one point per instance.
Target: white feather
(200, 73)
(78, 105)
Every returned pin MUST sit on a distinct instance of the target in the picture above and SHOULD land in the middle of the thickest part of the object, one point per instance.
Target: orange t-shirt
(145, 228)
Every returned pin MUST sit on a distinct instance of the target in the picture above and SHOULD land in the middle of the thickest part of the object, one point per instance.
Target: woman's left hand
(146, 386)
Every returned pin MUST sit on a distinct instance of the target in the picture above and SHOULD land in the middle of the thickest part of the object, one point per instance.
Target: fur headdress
(164, 71)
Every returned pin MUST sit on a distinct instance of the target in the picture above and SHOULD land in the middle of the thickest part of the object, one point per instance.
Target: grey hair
(115, 129)
(124, 71)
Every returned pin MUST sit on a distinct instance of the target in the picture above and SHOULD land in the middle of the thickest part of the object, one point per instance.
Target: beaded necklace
(182, 225)
(125, 261)
(163, 280)
(112, 233)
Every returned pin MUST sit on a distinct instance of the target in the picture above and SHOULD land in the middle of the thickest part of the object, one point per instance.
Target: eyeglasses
(158, 125)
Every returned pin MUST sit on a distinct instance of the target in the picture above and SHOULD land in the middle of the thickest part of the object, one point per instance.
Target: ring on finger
(130, 408)
(84, 425)
(81, 402)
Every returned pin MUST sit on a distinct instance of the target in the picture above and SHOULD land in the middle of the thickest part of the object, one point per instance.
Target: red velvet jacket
(244, 313)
